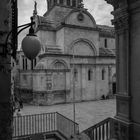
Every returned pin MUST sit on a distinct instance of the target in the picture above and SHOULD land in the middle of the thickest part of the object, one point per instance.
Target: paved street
(87, 113)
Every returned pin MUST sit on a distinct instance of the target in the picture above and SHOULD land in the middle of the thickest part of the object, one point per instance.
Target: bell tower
(66, 3)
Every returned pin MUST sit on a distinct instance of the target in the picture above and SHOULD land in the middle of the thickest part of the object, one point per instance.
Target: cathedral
(77, 58)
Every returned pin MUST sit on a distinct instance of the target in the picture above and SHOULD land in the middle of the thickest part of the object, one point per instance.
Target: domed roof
(41, 66)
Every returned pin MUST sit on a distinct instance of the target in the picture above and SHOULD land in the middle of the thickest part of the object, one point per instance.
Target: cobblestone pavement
(87, 113)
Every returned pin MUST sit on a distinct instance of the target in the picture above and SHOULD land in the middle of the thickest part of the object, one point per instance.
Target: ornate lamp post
(8, 49)
(30, 44)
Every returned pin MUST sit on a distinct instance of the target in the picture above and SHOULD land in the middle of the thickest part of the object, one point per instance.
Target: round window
(80, 17)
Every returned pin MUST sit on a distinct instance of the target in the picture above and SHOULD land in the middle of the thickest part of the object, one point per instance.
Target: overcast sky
(99, 9)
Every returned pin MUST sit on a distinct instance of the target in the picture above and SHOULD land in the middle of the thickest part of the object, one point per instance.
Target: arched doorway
(59, 70)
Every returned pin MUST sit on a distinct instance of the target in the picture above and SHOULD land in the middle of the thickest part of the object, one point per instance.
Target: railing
(43, 123)
(100, 131)
(66, 126)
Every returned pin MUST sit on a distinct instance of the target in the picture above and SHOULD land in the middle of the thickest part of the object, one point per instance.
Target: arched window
(89, 75)
(34, 62)
(23, 63)
(103, 74)
(74, 3)
(68, 2)
(59, 65)
(32, 65)
(75, 75)
(105, 43)
(26, 64)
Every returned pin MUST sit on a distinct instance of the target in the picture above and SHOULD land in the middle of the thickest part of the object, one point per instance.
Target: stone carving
(80, 16)
(120, 14)
(121, 20)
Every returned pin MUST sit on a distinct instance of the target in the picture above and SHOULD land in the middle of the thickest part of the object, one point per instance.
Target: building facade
(77, 59)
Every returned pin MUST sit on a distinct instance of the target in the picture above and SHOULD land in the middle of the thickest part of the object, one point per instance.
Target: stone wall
(86, 21)
(110, 42)
(74, 34)
(54, 85)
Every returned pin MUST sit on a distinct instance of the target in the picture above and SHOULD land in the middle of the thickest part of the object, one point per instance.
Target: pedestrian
(18, 112)
(20, 103)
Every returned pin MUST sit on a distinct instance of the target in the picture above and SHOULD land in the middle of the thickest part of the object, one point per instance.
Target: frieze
(121, 24)
(120, 13)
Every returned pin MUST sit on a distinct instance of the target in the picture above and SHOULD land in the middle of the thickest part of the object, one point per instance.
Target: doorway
(114, 88)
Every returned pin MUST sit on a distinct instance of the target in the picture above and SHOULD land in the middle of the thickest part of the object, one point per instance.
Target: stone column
(127, 25)
(122, 124)
(134, 60)
(5, 75)
(122, 44)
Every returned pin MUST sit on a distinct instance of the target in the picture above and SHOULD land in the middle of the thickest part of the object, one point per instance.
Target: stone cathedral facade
(77, 57)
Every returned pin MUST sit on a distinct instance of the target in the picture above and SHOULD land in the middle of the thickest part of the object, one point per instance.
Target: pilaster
(134, 10)
(121, 22)
(122, 121)
(6, 110)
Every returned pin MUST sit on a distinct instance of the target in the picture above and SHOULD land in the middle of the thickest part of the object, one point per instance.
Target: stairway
(48, 126)
(100, 131)
(55, 126)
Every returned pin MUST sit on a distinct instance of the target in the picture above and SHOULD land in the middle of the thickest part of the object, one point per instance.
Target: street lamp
(30, 45)
(7, 50)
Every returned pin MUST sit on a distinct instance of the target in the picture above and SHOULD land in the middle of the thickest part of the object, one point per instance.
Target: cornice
(76, 56)
(62, 25)
(102, 34)
(76, 27)
(120, 12)
(121, 19)
(45, 28)
(64, 6)
(64, 55)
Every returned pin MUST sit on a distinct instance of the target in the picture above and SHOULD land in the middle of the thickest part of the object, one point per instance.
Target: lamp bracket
(9, 48)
